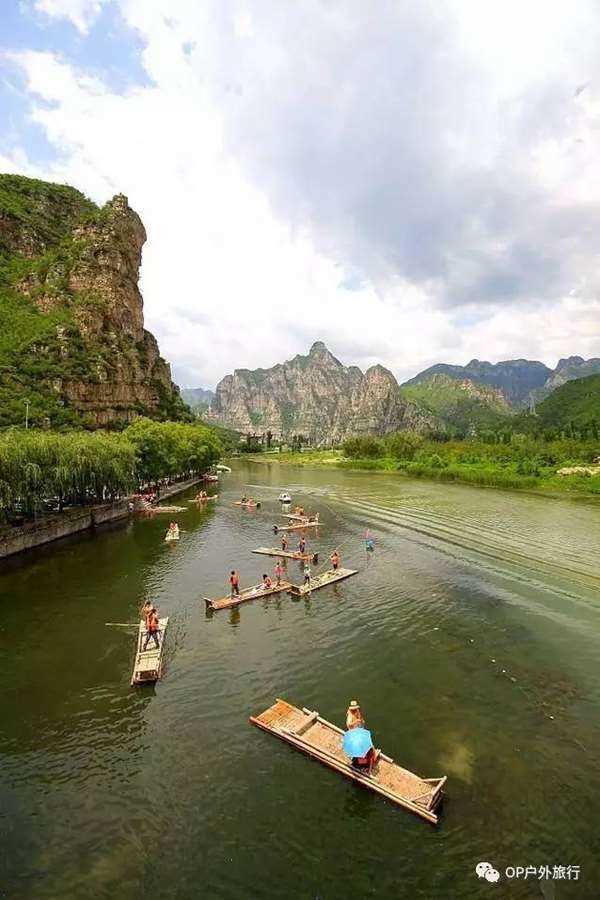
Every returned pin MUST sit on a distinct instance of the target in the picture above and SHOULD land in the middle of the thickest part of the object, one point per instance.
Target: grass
(482, 474)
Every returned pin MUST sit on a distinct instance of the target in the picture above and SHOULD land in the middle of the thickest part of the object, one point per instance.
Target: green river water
(471, 637)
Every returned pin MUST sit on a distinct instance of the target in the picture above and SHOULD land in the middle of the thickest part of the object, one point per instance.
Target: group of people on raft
(267, 581)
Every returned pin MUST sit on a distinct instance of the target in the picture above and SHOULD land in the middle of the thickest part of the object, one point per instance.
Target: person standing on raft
(146, 610)
(152, 629)
(284, 543)
(302, 545)
(278, 570)
(335, 560)
(234, 581)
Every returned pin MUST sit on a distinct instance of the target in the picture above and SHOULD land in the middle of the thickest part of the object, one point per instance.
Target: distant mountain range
(515, 378)
(317, 396)
(198, 399)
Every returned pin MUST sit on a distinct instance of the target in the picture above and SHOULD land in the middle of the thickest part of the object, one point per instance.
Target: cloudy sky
(411, 182)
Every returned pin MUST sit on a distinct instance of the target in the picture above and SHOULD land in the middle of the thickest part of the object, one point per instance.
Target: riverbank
(14, 540)
(546, 483)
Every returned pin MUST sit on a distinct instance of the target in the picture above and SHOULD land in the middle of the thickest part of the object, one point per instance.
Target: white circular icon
(487, 871)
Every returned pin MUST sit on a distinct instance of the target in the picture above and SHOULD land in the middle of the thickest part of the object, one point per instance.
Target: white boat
(285, 498)
(222, 468)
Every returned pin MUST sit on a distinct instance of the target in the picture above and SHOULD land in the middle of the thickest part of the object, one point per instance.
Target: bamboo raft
(252, 593)
(315, 736)
(147, 667)
(296, 518)
(284, 554)
(320, 581)
(299, 527)
(203, 499)
(247, 505)
(169, 509)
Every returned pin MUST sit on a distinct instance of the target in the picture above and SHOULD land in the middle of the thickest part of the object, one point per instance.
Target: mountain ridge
(317, 396)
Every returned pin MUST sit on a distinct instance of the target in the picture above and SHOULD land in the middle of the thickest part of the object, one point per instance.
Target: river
(471, 637)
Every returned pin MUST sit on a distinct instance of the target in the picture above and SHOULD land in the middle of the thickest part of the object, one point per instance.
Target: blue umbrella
(357, 742)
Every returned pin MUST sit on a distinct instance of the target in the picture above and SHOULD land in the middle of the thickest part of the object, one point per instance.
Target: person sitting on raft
(354, 716)
(367, 762)
(267, 583)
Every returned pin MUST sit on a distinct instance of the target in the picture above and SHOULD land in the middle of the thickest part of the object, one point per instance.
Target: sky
(409, 182)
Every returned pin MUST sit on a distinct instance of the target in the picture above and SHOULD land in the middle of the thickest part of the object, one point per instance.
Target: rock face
(516, 378)
(568, 370)
(315, 396)
(69, 292)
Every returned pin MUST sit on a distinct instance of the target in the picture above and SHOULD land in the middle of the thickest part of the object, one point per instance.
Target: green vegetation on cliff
(573, 408)
(462, 405)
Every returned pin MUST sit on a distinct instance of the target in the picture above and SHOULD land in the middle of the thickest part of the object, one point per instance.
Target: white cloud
(261, 188)
(81, 13)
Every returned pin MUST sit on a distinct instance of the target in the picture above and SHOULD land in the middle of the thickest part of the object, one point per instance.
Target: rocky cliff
(318, 397)
(73, 342)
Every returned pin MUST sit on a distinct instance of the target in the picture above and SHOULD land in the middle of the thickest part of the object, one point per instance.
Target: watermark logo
(540, 873)
(487, 871)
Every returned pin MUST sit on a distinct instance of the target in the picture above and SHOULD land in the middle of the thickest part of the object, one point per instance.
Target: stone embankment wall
(72, 521)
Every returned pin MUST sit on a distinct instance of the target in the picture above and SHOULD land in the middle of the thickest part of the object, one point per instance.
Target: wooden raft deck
(317, 737)
(147, 667)
(252, 593)
(293, 517)
(319, 581)
(287, 554)
(299, 527)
